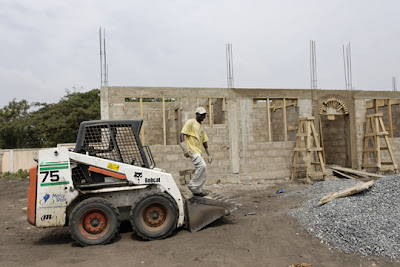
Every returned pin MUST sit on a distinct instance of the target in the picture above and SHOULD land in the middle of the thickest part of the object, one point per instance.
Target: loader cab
(117, 140)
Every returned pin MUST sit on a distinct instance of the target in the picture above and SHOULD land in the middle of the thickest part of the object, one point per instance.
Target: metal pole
(105, 59)
(350, 73)
(101, 60)
(344, 65)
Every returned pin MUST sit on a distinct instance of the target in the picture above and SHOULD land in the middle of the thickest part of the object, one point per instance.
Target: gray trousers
(199, 176)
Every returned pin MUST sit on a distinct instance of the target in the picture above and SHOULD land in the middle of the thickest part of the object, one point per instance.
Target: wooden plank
(315, 149)
(284, 120)
(370, 165)
(366, 150)
(374, 115)
(360, 173)
(163, 118)
(308, 153)
(390, 151)
(269, 121)
(344, 175)
(223, 104)
(377, 133)
(302, 165)
(377, 141)
(366, 139)
(209, 112)
(376, 107)
(306, 118)
(321, 136)
(346, 192)
(300, 149)
(390, 118)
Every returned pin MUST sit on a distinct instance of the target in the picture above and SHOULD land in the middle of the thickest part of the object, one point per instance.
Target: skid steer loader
(110, 177)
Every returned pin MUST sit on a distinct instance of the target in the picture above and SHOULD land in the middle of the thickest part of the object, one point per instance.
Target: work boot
(202, 193)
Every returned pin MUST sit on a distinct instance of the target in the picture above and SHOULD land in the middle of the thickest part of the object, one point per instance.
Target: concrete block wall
(246, 127)
(269, 160)
(259, 122)
(277, 125)
(334, 140)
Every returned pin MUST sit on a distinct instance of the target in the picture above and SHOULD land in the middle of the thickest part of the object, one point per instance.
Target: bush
(19, 174)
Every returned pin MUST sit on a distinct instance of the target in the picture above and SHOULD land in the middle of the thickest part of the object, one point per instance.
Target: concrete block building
(253, 131)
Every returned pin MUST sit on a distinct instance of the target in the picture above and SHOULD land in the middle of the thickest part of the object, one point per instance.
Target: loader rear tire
(94, 221)
(154, 216)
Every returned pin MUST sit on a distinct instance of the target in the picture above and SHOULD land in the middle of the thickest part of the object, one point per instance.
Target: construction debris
(365, 223)
(346, 192)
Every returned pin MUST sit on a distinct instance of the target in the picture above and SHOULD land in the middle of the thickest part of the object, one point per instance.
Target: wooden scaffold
(374, 132)
(308, 150)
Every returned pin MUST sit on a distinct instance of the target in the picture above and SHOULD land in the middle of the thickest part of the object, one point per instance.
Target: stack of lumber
(353, 174)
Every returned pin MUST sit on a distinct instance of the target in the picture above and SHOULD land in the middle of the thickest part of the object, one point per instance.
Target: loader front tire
(154, 216)
(94, 221)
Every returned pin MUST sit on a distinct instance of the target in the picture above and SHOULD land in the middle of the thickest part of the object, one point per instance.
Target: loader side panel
(54, 179)
(31, 212)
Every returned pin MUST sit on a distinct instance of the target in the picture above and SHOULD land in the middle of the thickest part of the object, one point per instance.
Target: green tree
(51, 123)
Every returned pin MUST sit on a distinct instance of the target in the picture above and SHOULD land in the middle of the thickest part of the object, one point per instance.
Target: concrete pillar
(305, 108)
(245, 109)
(233, 135)
(12, 161)
(104, 103)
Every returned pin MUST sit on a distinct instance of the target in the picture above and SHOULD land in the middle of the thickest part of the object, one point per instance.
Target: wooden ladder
(374, 131)
(313, 151)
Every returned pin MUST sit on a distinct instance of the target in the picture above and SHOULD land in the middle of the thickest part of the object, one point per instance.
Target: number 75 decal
(54, 177)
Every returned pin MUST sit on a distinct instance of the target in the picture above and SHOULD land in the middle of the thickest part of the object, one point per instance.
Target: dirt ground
(268, 238)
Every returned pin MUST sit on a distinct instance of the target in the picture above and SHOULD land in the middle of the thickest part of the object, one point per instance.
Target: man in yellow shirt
(193, 138)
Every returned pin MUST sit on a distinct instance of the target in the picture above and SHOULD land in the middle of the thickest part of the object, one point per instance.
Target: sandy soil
(268, 238)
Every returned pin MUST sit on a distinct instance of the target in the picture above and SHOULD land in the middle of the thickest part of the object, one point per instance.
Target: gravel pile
(366, 223)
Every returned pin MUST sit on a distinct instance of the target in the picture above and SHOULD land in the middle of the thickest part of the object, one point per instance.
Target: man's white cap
(201, 110)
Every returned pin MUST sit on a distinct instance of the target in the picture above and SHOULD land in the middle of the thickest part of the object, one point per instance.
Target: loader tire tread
(81, 209)
(141, 203)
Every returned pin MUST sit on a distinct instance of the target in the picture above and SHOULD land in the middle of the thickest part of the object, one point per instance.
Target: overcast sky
(47, 46)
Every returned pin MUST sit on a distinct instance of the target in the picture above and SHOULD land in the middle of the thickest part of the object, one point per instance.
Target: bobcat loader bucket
(202, 211)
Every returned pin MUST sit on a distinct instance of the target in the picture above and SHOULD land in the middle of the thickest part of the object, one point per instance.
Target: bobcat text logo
(152, 180)
(138, 175)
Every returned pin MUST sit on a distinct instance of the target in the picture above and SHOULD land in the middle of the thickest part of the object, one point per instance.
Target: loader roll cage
(117, 140)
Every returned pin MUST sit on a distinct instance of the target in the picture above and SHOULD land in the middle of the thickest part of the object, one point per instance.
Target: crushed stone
(367, 223)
